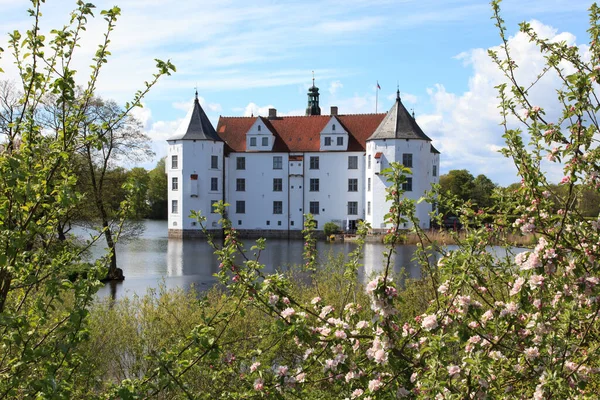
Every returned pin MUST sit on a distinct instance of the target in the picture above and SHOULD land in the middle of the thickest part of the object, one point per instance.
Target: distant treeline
(484, 194)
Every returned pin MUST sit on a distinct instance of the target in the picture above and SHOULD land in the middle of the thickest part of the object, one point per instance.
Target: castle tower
(195, 169)
(313, 100)
(398, 138)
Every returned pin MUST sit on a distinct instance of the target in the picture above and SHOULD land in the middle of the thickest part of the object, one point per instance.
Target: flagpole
(376, 96)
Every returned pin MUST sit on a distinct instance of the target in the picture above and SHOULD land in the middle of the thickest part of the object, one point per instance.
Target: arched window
(259, 128)
(333, 127)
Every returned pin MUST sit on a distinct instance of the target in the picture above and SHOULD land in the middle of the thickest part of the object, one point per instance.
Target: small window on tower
(174, 162)
(333, 127)
(259, 127)
(214, 162)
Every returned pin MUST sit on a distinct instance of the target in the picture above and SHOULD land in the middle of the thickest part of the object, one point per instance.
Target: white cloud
(334, 86)
(256, 110)
(465, 126)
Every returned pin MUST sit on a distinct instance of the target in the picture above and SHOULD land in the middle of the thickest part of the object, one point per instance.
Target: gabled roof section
(398, 124)
(299, 133)
(196, 126)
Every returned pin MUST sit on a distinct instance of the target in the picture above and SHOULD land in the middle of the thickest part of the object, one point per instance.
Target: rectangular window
(340, 140)
(174, 207)
(278, 207)
(277, 184)
(265, 141)
(252, 142)
(174, 162)
(368, 208)
(241, 163)
(327, 141)
(369, 162)
(240, 185)
(352, 162)
(314, 184)
(213, 210)
(240, 207)
(214, 184)
(407, 186)
(434, 170)
(314, 207)
(214, 162)
(368, 184)
(174, 184)
(277, 162)
(353, 208)
(353, 185)
(314, 162)
(407, 160)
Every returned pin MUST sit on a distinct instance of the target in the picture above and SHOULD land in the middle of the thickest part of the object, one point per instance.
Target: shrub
(331, 228)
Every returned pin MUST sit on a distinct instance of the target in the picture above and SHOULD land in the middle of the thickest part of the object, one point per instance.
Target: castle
(273, 170)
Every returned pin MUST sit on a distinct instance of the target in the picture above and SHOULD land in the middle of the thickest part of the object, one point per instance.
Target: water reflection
(153, 259)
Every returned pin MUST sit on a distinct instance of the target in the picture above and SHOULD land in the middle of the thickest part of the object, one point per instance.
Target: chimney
(334, 110)
(272, 113)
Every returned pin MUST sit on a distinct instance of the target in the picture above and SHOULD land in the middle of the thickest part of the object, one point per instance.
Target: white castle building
(273, 170)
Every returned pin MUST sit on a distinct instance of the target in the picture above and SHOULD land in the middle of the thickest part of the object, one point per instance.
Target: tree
(138, 180)
(458, 182)
(45, 288)
(109, 137)
(158, 191)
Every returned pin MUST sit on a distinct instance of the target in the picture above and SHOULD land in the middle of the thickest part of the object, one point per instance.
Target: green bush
(331, 228)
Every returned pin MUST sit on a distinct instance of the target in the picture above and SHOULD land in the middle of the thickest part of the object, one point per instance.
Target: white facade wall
(194, 159)
(256, 188)
(333, 195)
(392, 150)
(258, 195)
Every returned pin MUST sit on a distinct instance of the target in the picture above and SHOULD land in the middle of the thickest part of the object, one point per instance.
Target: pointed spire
(196, 125)
(313, 99)
(398, 124)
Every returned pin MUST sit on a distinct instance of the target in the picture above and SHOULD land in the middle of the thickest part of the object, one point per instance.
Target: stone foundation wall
(242, 233)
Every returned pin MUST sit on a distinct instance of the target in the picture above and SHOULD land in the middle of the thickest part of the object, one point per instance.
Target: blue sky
(247, 56)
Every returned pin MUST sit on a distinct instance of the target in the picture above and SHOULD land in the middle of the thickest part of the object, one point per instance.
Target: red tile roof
(300, 133)
(378, 155)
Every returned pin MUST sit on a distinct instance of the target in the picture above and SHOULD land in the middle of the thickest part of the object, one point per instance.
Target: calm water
(153, 259)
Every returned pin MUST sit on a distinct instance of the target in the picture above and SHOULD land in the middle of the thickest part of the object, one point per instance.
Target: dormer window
(333, 127)
(340, 140)
(265, 141)
(253, 142)
(327, 141)
(259, 127)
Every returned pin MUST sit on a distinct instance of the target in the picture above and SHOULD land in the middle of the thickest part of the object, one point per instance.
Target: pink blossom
(565, 179)
(340, 334)
(453, 370)
(259, 384)
(357, 392)
(326, 310)
(375, 385)
(362, 324)
(287, 313)
(254, 366)
(536, 281)
(429, 322)
(516, 287)
(273, 299)
(282, 370)
(531, 353)
(443, 287)
(316, 300)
